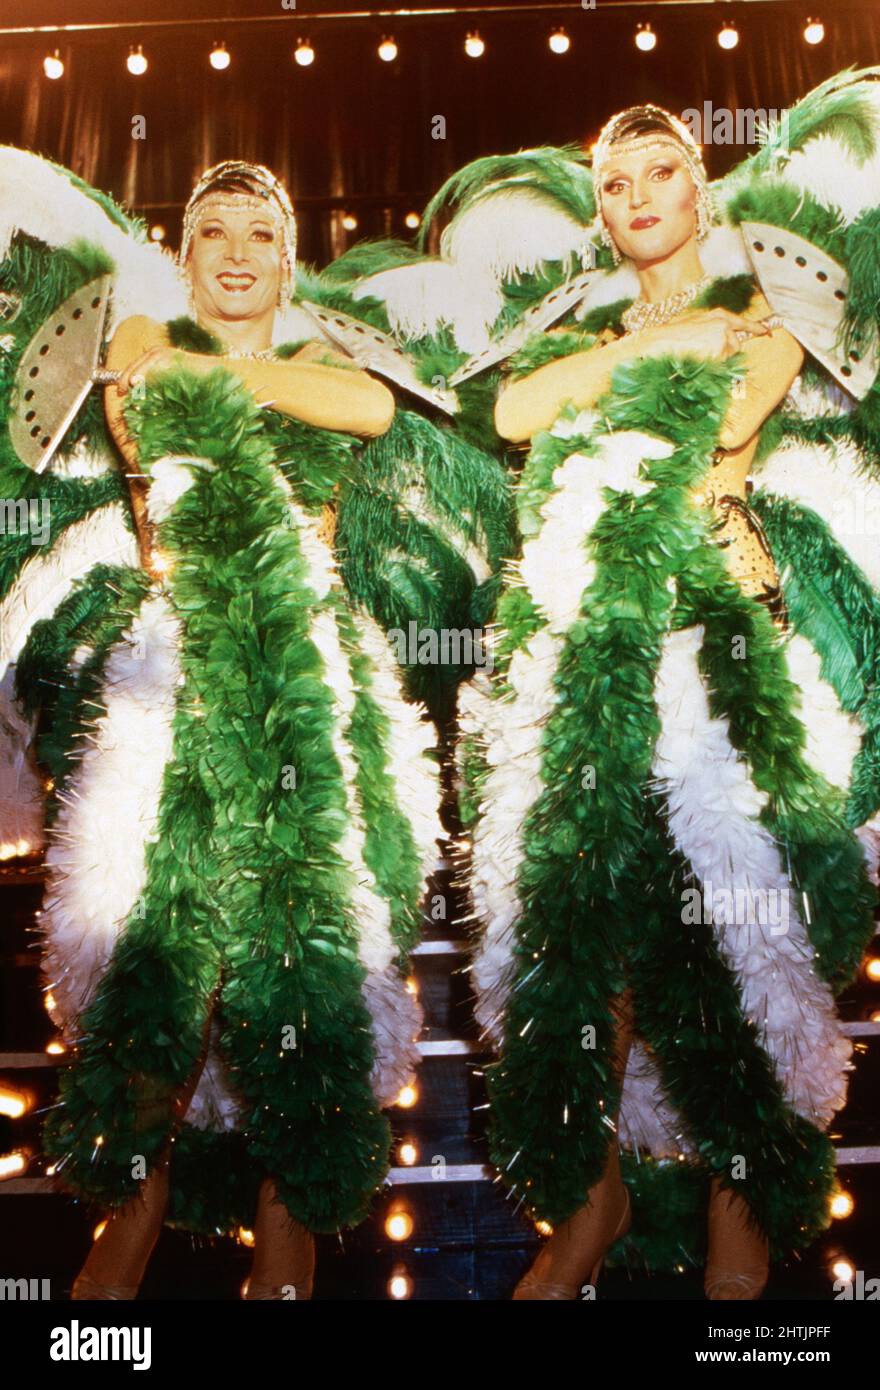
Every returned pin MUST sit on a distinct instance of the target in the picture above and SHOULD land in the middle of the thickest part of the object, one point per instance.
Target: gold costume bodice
(327, 528)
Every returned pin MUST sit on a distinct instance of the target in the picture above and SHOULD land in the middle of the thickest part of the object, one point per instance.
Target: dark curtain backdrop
(354, 133)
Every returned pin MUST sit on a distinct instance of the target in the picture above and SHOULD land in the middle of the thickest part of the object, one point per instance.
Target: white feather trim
(44, 582)
(396, 1015)
(421, 298)
(713, 807)
(826, 169)
(96, 859)
(412, 739)
(556, 569)
(833, 736)
(170, 478)
(647, 1119)
(512, 231)
(555, 566)
(830, 481)
(41, 201)
(512, 731)
(501, 236)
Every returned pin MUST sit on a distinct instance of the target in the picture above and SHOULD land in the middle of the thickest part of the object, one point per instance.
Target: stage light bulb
(49, 1002)
(872, 969)
(387, 50)
(11, 1165)
(99, 1230)
(412, 985)
(14, 849)
(474, 46)
(407, 1153)
(55, 1049)
(220, 58)
(12, 1103)
(412, 220)
(245, 1236)
(400, 1285)
(559, 41)
(842, 1269)
(157, 232)
(842, 1205)
(728, 38)
(814, 31)
(53, 66)
(399, 1225)
(543, 1228)
(646, 39)
(136, 62)
(407, 1098)
(304, 54)
(349, 222)
(875, 1016)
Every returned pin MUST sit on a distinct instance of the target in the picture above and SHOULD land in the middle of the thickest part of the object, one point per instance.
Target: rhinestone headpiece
(270, 195)
(638, 128)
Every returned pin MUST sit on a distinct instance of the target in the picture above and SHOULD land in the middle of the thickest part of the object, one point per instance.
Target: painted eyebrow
(255, 222)
(620, 174)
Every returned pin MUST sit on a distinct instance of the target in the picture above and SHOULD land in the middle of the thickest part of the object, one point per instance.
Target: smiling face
(236, 259)
(649, 201)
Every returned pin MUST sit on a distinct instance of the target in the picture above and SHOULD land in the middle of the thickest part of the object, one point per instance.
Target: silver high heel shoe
(531, 1287)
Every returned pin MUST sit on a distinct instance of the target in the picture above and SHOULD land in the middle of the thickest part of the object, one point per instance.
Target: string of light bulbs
(304, 54)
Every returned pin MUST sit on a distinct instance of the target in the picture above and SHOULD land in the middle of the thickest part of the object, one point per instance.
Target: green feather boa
(600, 881)
(248, 900)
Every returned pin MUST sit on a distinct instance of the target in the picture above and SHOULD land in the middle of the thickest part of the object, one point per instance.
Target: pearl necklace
(643, 314)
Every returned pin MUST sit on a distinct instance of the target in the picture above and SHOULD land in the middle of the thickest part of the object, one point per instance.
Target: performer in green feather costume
(671, 780)
(243, 805)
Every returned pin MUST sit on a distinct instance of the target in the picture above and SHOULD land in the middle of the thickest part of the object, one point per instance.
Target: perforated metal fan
(542, 315)
(378, 352)
(808, 290)
(58, 369)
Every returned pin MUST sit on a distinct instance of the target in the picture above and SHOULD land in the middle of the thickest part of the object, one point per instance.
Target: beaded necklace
(644, 314)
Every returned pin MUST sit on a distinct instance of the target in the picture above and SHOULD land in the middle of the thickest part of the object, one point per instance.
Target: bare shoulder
(133, 337)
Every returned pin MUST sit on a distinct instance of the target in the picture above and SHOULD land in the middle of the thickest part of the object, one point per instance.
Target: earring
(607, 240)
(705, 214)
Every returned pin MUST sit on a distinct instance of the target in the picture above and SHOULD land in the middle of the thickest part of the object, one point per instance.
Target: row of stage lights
(474, 46)
(411, 221)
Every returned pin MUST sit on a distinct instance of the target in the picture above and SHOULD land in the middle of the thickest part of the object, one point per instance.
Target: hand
(711, 333)
(157, 359)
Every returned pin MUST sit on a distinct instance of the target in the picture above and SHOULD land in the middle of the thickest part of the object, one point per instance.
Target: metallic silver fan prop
(808, 290)
(57, 370)
(542, 315)
(378, 352)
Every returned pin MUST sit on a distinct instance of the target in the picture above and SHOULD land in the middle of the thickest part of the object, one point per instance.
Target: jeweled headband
(638, 128)
(269, 195)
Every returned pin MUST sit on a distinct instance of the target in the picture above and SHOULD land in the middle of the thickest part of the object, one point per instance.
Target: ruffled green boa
(600, 881)
(248, 898)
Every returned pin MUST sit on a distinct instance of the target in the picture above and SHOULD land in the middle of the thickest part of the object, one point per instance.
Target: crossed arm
(773, 359)
(338, 397)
